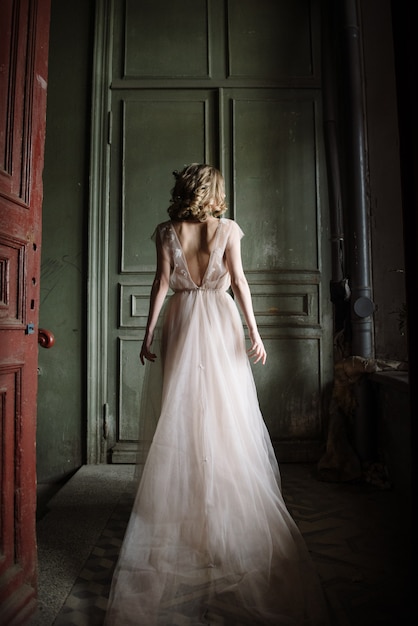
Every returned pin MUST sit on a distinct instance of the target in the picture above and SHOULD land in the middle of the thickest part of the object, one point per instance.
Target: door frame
(98, 236)
(98, 419)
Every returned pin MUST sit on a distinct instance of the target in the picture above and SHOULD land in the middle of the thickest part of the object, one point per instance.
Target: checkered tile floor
(358, 536)
(86, 604)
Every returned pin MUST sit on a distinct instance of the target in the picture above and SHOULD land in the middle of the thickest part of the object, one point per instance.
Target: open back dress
(210, 540)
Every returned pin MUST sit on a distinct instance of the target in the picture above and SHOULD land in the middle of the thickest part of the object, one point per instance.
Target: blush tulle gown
(210, 540)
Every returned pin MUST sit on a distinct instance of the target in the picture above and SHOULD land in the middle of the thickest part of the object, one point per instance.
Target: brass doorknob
(46, 339)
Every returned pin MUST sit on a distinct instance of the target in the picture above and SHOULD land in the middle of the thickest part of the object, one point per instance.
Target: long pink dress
(210, 540)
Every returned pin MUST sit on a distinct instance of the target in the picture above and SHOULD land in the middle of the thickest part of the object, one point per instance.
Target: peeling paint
(41, 81)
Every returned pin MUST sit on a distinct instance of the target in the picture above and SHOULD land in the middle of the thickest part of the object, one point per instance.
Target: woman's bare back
(197, 240)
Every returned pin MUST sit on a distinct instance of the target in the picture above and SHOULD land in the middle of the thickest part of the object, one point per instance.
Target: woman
(210, 540)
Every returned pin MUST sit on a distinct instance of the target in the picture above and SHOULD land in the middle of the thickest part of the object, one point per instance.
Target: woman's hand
(257, 350)
(146, 349)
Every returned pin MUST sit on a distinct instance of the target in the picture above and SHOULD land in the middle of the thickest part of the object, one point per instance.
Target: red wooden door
(24, 30)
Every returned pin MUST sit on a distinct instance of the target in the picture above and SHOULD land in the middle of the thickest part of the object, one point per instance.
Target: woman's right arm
(158, 293)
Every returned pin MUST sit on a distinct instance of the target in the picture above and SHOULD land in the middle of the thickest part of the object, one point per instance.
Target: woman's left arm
(242, 293)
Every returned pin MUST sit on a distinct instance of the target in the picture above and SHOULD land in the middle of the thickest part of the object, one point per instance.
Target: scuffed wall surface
(61, 428)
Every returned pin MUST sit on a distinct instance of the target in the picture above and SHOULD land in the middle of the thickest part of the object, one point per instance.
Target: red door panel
(24, 31)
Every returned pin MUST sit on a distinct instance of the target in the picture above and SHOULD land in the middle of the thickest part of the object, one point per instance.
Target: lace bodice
(216, 276)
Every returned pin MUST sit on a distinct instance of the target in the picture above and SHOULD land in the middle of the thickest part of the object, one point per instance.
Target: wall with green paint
(61, 437)
(61, 427)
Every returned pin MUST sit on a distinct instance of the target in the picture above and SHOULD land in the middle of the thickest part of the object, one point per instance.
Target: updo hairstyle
(199, 191)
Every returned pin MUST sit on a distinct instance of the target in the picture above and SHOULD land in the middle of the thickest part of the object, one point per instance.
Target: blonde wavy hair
(199, 191)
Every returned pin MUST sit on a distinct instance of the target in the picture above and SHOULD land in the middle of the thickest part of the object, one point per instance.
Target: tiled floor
(358, 535)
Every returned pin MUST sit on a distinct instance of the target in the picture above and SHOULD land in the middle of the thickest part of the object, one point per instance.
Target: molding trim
(98, 237)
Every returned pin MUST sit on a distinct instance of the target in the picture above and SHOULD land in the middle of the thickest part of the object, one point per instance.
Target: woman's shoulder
(163, 228)
(164, 225)
(232, 226)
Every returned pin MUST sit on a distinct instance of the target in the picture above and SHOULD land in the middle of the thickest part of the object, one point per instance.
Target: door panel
(274, 160)
(243, 93)
(183, 30)
(154, 133)
(268, 40)
(158, 130)
(276, 173)
(24, 28)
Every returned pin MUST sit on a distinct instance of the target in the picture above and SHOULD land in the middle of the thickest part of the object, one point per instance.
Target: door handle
(46, 339)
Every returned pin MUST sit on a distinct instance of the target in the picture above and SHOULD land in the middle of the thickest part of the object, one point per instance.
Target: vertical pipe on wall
(362, 307)
(360, 271)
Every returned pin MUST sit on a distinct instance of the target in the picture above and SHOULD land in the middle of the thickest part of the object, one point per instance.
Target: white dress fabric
(210, 540)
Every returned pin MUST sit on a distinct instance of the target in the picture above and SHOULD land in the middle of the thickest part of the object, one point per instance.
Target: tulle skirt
(210, 540)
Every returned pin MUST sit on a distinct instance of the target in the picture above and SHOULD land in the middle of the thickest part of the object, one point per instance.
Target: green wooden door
(234, 83)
